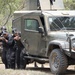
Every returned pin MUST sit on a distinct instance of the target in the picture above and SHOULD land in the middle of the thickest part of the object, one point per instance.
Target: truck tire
(58, 62)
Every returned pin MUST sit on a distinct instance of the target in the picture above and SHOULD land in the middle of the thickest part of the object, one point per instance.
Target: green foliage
(7, 7)
(69, 4)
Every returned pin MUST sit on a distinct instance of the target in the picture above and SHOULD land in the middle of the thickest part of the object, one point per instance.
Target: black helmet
(14, 30)
(3, 28)
(4, 32)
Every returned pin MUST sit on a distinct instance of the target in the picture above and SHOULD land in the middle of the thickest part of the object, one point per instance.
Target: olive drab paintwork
(32, 39)
(46, 32)
(37, 43)
(48, 36)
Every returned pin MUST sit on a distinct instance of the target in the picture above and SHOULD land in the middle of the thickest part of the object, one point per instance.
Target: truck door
(30, 35)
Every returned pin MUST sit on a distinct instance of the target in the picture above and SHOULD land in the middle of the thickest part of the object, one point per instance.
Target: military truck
(48, 37)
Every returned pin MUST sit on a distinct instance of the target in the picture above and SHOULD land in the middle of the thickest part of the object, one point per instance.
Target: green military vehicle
(48, 37)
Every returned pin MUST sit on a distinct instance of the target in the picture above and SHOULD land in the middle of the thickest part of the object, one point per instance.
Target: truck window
(31, 24)
(62, 23)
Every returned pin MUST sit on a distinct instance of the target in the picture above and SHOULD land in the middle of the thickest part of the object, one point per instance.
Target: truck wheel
(58, 62)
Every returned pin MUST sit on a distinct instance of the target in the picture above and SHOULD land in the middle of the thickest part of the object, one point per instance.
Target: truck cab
(48, 37)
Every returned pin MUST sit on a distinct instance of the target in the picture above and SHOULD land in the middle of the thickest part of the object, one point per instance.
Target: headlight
(73, 46)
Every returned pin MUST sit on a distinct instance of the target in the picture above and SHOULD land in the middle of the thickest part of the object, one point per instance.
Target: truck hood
(61, 35)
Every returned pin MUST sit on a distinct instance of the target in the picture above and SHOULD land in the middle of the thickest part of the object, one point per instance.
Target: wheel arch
(54, 45)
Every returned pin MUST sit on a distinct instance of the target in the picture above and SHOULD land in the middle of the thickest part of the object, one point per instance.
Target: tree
(69, 4)
(7, 7)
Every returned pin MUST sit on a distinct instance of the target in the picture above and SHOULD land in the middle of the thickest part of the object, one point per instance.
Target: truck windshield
(62, 23)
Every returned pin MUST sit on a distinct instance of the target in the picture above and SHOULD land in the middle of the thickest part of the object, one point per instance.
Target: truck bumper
(70, 54)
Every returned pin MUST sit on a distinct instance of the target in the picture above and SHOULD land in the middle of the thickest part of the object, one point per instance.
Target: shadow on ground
(47, 70)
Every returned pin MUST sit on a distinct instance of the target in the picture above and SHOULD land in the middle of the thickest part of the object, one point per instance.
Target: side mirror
(41, 30)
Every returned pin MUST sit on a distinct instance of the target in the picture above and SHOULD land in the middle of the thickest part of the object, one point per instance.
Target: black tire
(58, 62)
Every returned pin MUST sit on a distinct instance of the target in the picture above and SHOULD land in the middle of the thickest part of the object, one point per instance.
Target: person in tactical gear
(8, 51)
(3, 28)
(19, 46)
(4, 52)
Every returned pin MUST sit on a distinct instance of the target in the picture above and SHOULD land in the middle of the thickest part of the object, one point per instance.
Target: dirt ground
(31, 70)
